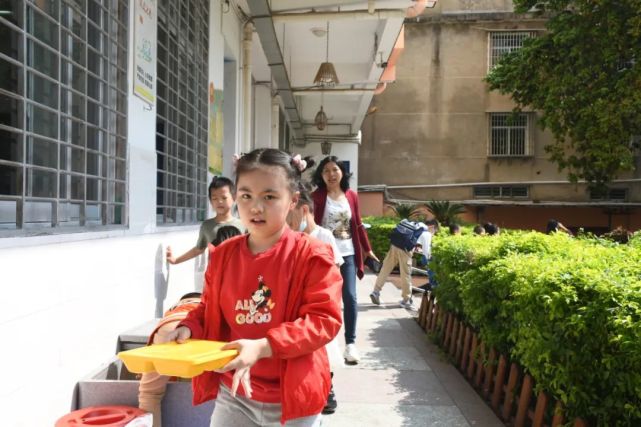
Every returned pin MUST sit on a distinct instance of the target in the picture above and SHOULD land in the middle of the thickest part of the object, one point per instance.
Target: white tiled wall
(63, 306)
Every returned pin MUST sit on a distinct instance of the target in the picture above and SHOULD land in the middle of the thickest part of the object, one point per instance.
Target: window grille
(181, 126)
(504, 42)
(509, 134)
(611, 194)
(63, 114)
(500, 191)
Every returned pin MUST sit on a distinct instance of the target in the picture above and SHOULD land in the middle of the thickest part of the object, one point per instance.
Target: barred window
(610, 194)
(504, 42)
(509, 134)
(500, 191)
(63, 110)
(181, 126)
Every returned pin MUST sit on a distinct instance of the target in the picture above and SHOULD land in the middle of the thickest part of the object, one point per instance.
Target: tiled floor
(402, 379)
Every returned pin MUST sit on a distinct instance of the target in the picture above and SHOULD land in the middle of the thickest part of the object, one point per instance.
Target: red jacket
(312, 316)
(359, 235)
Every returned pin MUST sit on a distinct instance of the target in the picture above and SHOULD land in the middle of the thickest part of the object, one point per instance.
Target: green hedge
(568, 310)
(379, 233)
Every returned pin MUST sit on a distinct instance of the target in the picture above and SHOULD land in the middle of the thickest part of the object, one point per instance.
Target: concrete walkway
(403, 379)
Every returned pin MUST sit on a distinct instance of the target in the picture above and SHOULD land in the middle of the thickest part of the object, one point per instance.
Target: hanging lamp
(321, 119)
(326, 148)
(326, 75)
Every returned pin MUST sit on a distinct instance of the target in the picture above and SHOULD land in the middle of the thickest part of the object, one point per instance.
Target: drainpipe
(246, 142)
(417, 9)
(275, 121)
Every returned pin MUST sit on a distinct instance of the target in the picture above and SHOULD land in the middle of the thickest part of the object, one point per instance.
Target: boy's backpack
(406, 234)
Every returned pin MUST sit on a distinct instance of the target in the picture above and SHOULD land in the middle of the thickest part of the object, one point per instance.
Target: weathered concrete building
(439, 133)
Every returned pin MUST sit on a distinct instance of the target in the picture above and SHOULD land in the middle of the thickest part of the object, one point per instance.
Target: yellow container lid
(178, 360)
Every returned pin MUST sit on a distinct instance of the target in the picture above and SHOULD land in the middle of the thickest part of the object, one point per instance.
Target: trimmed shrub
(379, 233)
(567, 310)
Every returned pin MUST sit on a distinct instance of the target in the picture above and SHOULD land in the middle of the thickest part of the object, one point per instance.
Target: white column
(246, 142)
(275, 120)
(141, 152)
(263, 118)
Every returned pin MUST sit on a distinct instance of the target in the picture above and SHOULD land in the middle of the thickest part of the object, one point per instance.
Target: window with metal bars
(509, 134)
(500, 191)
(504, 42)
(63, 114)
(181, 126)
(610, 194)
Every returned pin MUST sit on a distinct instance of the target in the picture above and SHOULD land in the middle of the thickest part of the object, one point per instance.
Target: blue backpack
(406, 234)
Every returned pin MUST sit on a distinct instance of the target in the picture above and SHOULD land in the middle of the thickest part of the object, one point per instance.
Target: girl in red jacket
(271, 293)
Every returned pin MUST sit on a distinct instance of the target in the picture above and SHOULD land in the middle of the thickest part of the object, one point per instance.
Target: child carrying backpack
(404, 238)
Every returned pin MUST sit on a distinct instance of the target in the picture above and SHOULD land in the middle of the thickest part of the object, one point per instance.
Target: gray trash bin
(113, 384)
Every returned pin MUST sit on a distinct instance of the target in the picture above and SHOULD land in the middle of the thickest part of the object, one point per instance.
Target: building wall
(371, 203)
(432, 123)
(68, 296)
(65, 305)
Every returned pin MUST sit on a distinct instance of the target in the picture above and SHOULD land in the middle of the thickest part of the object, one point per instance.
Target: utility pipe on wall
(246, 142)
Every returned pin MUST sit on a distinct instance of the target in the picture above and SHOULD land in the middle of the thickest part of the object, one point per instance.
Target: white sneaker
(407, 304)
(351, 354)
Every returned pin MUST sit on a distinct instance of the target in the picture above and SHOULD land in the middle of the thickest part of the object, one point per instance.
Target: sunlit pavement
(402, 379)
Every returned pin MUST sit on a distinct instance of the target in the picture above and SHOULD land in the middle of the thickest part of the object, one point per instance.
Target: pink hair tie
(300, 164)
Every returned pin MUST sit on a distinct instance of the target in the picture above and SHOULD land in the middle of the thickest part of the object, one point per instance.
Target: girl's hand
(249, 352)
(180, 335)
(371, 254)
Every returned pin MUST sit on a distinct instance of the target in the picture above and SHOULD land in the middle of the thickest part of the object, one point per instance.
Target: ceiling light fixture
(320, 121)
(326, 75)
(318, 31)
(326, 148)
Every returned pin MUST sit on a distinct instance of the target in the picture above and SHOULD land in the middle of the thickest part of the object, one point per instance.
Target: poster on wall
(215, 143)
(145, 50)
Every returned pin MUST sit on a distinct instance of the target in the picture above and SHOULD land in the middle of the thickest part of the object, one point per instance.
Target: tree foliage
(584, 77)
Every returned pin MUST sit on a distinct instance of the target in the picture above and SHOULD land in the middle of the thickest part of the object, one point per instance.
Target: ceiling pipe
(333, 91)
(346, 5)
(345, 138)
(417, 7)
(357, 15)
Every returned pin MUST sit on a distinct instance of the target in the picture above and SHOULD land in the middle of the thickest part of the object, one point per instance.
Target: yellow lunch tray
(178, 360)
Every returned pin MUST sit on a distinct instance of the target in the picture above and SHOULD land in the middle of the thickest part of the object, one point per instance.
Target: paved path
(403, 379)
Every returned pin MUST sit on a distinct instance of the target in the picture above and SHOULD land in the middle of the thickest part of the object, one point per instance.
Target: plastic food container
(107, 416)
(178, 360)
